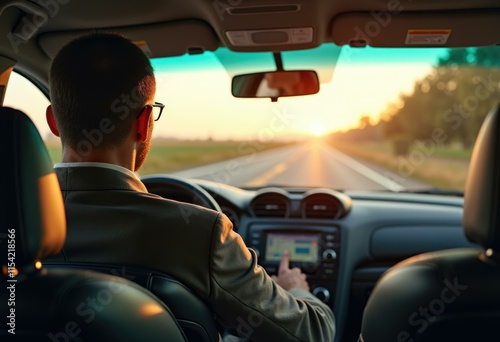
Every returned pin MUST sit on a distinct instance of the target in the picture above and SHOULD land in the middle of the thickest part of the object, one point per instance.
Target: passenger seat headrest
(482, 189)
(33, 217)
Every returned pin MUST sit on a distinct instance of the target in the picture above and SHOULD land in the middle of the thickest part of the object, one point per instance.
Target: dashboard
(343, 241)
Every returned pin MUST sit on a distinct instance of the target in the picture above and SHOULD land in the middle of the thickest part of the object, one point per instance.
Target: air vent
(322, 206)
(270, 205)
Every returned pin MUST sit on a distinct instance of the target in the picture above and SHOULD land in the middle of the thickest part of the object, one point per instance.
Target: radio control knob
(329, 255)
(322, 294)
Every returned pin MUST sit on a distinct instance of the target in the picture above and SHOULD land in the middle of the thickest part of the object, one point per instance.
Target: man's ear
(143, 122)
(49, 114)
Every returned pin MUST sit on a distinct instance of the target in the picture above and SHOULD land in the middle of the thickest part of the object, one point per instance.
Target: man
(102, 89)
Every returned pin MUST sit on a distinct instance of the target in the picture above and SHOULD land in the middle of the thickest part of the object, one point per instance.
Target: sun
(317, 129)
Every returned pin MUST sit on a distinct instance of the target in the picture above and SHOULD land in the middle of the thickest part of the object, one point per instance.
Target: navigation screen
(302, 247)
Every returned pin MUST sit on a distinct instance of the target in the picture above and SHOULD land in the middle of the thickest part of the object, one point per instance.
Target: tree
(455, 96)
(364, 122)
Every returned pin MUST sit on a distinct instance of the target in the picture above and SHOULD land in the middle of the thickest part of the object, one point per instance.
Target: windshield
(389, 119)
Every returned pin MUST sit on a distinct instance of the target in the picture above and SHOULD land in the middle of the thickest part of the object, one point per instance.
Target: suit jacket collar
(88, 178)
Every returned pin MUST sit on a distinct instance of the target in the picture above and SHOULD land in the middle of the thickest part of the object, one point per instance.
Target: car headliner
(172, 27)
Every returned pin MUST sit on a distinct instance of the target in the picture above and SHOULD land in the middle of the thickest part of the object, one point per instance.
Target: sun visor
(157, 40)
(416, 29)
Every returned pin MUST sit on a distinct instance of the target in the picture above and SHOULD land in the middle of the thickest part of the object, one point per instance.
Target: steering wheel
(180, 190)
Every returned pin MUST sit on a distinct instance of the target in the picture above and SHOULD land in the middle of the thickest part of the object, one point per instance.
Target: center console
(313, 249)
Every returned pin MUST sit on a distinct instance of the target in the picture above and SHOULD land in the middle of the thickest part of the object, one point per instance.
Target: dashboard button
(330, 237)
(309, 269)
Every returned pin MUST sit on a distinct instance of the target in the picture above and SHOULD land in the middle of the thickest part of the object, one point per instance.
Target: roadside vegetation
(428, 134)
(444, 168)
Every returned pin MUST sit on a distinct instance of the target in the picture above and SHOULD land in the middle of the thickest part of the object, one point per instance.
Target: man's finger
(285, 261)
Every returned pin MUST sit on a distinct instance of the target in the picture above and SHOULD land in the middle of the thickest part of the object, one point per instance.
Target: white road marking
(365, 171)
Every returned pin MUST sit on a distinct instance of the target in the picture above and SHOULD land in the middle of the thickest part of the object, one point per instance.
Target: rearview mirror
(276, 84)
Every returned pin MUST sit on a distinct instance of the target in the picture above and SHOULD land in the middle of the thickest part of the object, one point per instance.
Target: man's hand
(290, 278)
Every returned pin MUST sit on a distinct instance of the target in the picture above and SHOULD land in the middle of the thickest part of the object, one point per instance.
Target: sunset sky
(199, 103)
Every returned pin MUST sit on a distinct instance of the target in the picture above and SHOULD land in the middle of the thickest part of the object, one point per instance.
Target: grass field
(167, 156)
(441, 167)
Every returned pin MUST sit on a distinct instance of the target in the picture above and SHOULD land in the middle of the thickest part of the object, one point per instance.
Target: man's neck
(70, 155)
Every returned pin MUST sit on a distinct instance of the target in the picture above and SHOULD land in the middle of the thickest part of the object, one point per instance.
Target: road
(311, 164)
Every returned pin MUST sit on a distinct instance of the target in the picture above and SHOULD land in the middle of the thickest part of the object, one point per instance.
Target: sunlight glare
(317, 129)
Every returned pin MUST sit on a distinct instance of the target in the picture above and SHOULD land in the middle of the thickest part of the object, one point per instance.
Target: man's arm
(248, 301)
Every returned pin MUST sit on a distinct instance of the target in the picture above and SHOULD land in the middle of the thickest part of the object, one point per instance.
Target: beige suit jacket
(112, 218)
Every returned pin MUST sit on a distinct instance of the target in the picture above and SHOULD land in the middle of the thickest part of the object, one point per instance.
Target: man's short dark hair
(99, 81)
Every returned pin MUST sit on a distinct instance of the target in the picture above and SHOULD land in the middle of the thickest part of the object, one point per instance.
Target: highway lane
(310, 164)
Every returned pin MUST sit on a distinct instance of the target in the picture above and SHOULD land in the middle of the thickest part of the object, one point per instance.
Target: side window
(23, 95)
